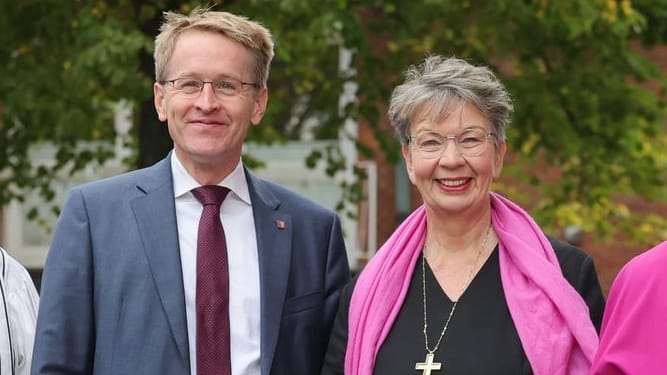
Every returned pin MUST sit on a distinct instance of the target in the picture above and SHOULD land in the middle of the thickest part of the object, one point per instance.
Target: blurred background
(587, 146)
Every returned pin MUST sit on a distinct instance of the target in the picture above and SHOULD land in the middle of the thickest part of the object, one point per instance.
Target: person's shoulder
(117, 183)
(288, 197)
(7, 260)
(567, 253)
(12, 268)
(640, 280)
(650, 262)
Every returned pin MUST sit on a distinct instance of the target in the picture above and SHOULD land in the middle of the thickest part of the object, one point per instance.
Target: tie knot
(210, 194)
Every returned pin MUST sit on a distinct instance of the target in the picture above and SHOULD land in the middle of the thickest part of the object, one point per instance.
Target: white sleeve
(21, 303)
(5, 342)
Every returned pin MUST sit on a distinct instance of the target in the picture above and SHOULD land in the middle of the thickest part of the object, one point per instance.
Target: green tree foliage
(64, 65)
(589, 105)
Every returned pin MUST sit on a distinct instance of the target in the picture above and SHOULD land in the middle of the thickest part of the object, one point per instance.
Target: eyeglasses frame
(455, 139)
(212, 83)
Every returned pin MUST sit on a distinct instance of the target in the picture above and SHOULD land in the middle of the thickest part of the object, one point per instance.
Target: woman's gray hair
(439, 85)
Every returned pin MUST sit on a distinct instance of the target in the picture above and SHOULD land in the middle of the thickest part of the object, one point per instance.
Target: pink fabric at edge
(552, 319)
(634, 326)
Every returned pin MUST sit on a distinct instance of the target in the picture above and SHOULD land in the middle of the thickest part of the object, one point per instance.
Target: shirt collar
(183, 182)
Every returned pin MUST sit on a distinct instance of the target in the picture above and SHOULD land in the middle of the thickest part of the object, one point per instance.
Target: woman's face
(453, 183)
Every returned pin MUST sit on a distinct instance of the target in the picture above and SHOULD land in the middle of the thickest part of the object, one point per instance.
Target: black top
(481, 337)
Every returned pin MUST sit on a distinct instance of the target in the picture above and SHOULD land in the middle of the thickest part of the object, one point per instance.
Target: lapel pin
(281, 224)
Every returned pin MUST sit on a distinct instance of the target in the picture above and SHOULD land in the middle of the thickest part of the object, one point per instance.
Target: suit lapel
(155, 212)
(274, 243)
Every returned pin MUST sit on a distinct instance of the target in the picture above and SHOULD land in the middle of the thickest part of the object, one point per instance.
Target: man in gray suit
(119, 286)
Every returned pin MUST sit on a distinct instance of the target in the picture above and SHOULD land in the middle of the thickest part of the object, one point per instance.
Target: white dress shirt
(18, 316)
(244, 293)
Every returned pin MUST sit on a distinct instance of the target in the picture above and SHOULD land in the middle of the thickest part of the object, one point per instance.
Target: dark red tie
(212, 298)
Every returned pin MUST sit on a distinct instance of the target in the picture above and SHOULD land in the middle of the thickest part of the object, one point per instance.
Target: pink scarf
(551, 318)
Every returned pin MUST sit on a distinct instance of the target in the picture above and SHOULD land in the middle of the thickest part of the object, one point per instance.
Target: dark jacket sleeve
(579, 270)
(334, 360)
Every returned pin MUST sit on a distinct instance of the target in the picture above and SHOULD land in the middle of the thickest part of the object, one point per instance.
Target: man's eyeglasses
(431, 145)
(194, 87)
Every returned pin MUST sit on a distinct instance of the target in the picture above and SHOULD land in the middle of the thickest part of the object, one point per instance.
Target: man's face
(208, 129)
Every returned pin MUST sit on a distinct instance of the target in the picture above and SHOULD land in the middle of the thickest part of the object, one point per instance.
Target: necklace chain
(463, 288)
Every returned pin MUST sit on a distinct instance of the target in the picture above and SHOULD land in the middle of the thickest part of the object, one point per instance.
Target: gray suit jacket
(112, 289)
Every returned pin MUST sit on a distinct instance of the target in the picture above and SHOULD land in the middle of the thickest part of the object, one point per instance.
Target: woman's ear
(407, 157)
(499, 158)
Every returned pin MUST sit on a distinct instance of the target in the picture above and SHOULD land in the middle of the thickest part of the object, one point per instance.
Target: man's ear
(261, 101)
(159, 101)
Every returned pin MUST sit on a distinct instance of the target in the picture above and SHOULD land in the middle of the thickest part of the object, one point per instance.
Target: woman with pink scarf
(468, 284)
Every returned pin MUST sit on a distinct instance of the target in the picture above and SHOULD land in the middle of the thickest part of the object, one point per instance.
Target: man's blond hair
(250, 34)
